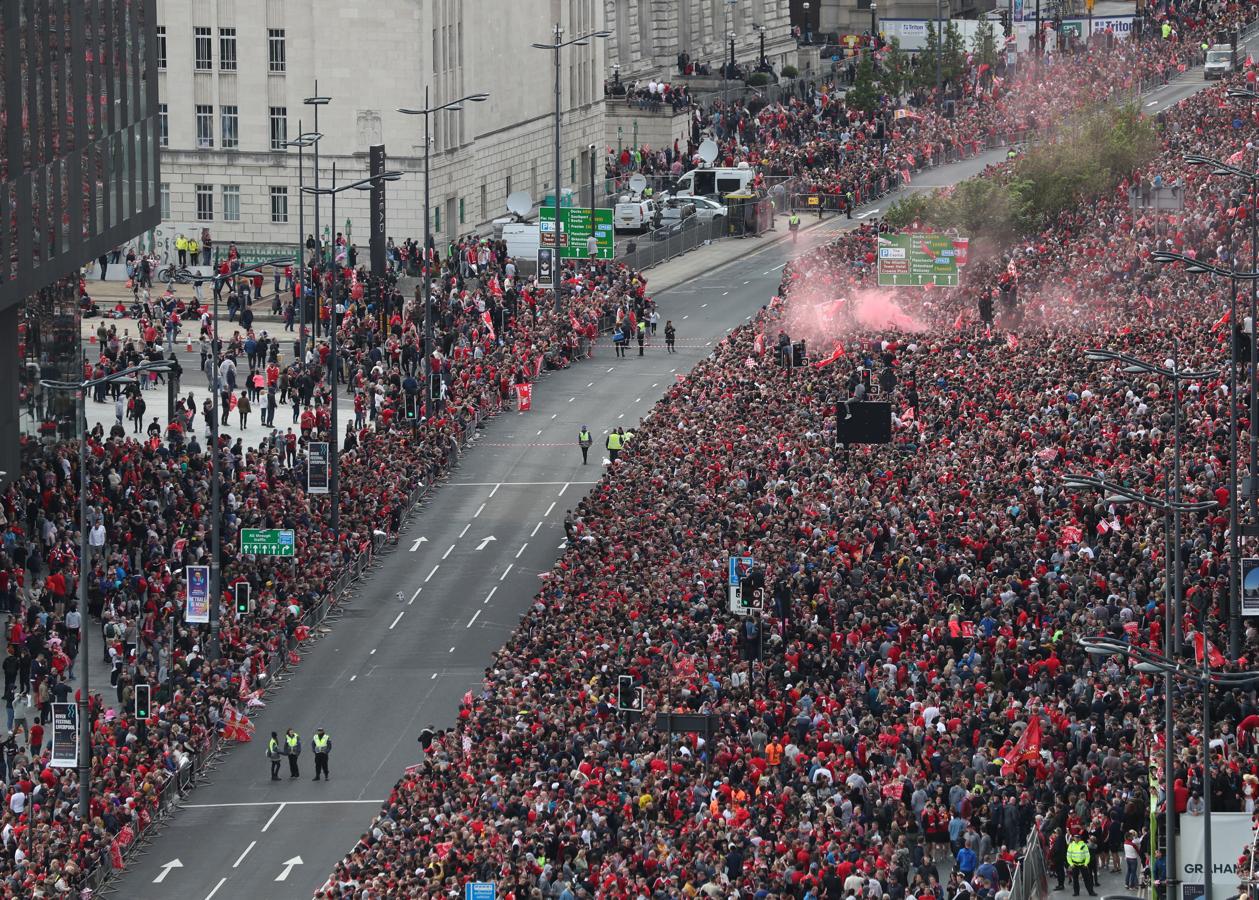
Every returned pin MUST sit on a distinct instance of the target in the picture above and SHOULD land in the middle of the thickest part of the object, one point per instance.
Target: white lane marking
(397, 618)
(465, 529)
(724, 293)
(1152, 103)
(522, 549)
(704, 306)
(485, 542)
(177, 864)
(473, 619)
(451, 650)
(671, 371)
(747, 282)
(591, 384)
(780, 265)
(373, 653)
(611, 368)
(686, 317)
(241, 858)
(480, 509)
(413, 596)
(276, 803)
(222, 881)
(571, 399)
(657, 384)
(497, 485)
(638, 399)
(433, 677)
(505, 571)
(352, 677)
(565, 487)
(449, 550)
(548, 509)
(535, 529)
(275, 815)
(539, 431)
(432, 573)
(489, 595)
(514, 483)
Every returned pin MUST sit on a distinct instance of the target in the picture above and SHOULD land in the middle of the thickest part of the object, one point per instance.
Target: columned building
(234, 75)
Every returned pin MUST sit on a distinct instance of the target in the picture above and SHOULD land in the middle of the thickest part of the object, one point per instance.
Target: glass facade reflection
(48, 348)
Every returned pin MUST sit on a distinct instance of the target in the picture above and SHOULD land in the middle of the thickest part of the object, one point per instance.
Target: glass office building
(78, 175)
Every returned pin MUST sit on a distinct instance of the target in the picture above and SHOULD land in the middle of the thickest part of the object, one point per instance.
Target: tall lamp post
(316, 101)
(1119, 493)
(1148, 662)
(301, 142)
(427, 111)
(334, 444)
(556, 46)
(874, 25)
(81, 389)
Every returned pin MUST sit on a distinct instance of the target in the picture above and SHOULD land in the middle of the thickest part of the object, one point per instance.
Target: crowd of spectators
(923, 598)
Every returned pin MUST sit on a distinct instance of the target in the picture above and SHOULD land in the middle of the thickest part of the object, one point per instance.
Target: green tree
(984, 43)
(895, 77)
(864, 93)
(954, 62)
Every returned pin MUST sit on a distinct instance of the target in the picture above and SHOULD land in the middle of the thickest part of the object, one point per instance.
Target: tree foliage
(984, 43)
(954, 62)
(1086, 162)
(896, 73)
(864, 94)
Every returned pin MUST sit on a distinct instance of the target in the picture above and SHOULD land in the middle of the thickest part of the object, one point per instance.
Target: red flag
(835, 354)
(524, 397)
(1224, 319)
(489, 324)
(957, 323)
(1012, 341)
(1214, 656)
(1071, 534)
(236, 725)
(1026, 749)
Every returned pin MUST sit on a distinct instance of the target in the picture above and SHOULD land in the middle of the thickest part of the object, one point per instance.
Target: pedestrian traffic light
(143, 698)
(411, 407)
(241, 591)
(434, 386)
(628, 697)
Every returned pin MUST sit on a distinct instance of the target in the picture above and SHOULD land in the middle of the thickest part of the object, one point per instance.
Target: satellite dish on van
(637, 182)
(708, 151)
(520, 203)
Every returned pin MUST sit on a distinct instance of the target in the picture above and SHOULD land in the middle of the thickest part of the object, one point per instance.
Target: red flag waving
(236, 725)
(1026, 749)
(835, 354)
(1214, 656)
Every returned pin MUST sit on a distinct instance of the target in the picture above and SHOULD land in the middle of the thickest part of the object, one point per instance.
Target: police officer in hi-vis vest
(584, 440)
(323, 746)
(293, 749)
(273, 754)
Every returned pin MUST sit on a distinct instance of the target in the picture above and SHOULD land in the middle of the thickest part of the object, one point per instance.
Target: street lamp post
(83, 707)
(426, 112)
(334, 443)
(1149, 662)
(874, 25)
(302, 141)
(316, 101)
(558, 45)
(1119, 493)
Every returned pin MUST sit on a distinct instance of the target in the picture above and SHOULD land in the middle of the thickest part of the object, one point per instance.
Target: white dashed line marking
(433, 677)
(449, 550)
(222, 881)
(489, 595)
(591, 384)
(571, 399)
(505, 571)
(241, 858)
(638, 399)
(522, 549)
(566, 484)
(535, 529)
(465, 529)
(352, 677)
(539, 431)
(703, 306)
(397, 619)
(373, 653)
(612, 368)
(548, 509)
(432, 573)
(473, 619)
(479, 510)
(496, 487)
(416, 594)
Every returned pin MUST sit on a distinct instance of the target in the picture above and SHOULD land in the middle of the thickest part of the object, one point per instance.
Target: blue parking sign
(478, 890)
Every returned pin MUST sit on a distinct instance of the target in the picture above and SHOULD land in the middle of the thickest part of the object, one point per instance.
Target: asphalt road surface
(468, 565)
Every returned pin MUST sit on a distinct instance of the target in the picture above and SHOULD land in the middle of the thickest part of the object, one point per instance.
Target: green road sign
(574, 231)
(914, 260)
(267, 541)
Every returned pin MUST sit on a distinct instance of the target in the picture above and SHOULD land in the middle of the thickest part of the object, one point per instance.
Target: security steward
(584, 440)
(615, 444)
(323, 746)
(1078, 859)
(293, 749)
(273, 754)
(793, 225)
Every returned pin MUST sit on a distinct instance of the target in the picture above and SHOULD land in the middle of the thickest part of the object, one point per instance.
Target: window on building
(461, 218)
(163, 125)
(164, 194)
(227, 49)
(279, 205)
(279, 127)
(572, 171)
(230, 127)
(205, 203)
(275, 49)
(437, 219)
(201, 47)
(161, 46)
(205, 127)
(231, 202)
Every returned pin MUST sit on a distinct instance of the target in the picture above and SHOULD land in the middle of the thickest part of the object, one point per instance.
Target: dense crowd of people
(913, 705)
(870, 719)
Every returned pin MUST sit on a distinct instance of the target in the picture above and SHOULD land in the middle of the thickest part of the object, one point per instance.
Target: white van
(522, 240)
(715, 182)
(635, 214)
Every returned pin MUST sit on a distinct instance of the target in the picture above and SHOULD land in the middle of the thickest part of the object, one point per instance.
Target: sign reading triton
(574, 231)
(914, 260)
(267, 541)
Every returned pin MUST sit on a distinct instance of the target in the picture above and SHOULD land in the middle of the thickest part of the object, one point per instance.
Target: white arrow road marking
(485, 542)
(166, 867)
(563, 544)
(418, 541)
(288, 867)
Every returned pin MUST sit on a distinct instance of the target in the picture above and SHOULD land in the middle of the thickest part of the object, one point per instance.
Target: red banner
(524, 397)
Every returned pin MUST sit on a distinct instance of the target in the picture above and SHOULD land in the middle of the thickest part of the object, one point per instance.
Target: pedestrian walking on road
(670, 334)
(584, 440)
(293, 749)
(323, 746)
(273, 754)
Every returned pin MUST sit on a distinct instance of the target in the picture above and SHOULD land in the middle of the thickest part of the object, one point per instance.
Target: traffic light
(143, 698)
(411, 407)
(241, 591)
(435, 386)
(628, 697)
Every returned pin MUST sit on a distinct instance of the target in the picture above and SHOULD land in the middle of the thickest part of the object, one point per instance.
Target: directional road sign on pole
(268, 541)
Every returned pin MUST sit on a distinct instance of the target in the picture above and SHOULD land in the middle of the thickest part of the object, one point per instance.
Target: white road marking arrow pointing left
(288, 867)
(485, 542)
(166, 867)
(418, 541)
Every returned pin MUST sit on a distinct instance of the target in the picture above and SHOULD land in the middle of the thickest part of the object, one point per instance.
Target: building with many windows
(78, 177)
(234, 75)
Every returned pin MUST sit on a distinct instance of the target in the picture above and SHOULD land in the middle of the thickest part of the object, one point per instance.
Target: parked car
(707, 209)
(635, 215)
(675, 209)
